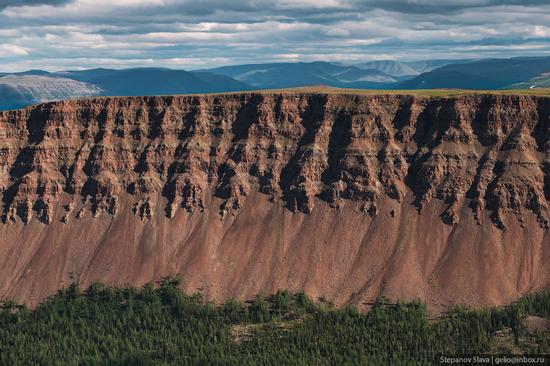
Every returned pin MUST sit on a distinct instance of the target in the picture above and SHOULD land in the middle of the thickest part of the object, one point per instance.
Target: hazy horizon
(198, 68)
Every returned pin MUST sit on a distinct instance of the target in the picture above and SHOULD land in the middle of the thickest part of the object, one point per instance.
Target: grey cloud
(6, 3)
(196, 34)
(207, 7)
(434, 7)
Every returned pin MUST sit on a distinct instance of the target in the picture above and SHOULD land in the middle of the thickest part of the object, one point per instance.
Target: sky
(193, 34)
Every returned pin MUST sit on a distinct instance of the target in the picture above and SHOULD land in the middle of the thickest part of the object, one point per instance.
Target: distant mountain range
(539, 81)
(288, 75)
(482, 74)
(405, 70)
(21, 89)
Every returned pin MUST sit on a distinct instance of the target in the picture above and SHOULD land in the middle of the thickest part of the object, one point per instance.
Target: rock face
(344, 196)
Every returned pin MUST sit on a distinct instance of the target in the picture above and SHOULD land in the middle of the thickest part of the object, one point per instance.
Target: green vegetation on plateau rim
(160, 325)
(419, 92)
(442, 93)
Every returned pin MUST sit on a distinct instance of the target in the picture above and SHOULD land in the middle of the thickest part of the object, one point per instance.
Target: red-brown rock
(343, 196)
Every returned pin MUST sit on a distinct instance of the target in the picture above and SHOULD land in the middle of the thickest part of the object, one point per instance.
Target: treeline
(160, 325)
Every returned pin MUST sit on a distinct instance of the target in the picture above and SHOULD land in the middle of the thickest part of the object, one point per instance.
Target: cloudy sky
(192, 34)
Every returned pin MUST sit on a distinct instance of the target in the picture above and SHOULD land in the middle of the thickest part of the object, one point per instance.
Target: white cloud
(11, 50)
(541, 31)
(338, 32)
(320, 4)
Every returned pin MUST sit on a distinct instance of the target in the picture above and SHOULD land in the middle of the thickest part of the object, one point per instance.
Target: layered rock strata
(131, 189)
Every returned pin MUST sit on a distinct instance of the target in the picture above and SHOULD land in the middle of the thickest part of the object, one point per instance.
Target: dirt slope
(345, 196)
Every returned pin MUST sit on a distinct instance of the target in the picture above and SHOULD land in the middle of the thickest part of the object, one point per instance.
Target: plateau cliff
(345, 196)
